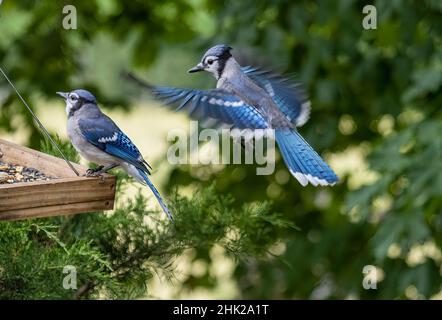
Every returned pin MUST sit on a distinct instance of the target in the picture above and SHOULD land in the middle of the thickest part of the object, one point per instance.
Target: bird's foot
(94, 172)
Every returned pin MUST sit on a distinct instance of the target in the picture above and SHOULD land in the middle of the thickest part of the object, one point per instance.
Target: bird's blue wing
(287, 94)
(216, 104)
(104, 134)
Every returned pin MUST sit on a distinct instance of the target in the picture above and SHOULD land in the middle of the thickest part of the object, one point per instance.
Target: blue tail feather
(157, 194)
(302, 161)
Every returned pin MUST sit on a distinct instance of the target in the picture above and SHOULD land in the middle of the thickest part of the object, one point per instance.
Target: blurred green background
(376, 118)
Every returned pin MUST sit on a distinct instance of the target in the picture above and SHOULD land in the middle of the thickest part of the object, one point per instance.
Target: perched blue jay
(249, 98)
(98, 139)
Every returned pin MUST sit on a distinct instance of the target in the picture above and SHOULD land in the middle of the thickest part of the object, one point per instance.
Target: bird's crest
(220, 50)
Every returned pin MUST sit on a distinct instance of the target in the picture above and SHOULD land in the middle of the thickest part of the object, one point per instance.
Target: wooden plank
(66, 194)
(49, 165)
(57, 210)
(56, 192)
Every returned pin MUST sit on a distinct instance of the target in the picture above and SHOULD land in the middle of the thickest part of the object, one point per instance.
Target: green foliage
(32, 258)
(405, 203)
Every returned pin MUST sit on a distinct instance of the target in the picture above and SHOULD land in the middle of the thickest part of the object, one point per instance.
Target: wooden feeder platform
(66, 193)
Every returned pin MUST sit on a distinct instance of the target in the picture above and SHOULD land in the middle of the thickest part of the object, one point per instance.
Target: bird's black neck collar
(74, 109)
(222, 63)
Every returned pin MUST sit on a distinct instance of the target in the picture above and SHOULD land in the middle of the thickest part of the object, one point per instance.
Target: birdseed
(12, 173)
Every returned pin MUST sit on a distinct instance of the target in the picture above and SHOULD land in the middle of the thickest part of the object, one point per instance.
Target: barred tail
(156, 193)
(302, 161)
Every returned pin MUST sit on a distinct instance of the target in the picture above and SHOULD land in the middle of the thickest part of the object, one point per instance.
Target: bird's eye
(210, 61)
(74, 97)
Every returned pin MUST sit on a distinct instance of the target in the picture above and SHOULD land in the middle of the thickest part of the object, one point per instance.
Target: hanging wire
(43, 129)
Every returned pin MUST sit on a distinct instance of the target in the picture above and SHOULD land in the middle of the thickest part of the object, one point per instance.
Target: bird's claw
(94, 172)
(95, 175)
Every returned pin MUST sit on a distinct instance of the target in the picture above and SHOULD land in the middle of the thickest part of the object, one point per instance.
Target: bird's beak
(199, 67)
(64, 95)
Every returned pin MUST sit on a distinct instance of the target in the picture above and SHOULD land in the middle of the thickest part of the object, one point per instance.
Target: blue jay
(98, 139)
(250, 98)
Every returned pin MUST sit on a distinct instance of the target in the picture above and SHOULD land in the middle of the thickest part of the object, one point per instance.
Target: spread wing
(287, 94)
(216, 104)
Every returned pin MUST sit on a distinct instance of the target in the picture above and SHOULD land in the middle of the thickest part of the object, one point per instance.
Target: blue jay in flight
(98, 139)
(250, 98)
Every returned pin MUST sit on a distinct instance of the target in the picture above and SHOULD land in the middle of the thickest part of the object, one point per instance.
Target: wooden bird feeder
(66, 193)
